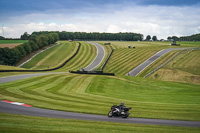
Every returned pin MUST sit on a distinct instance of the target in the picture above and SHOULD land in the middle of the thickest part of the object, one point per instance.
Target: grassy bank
(52, 57)
(184, 68)
(96, 94)
(22, 124)
(84, 57)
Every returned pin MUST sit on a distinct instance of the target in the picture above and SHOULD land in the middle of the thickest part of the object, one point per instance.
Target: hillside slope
(184, 68)
(96, 94)
(52, 57)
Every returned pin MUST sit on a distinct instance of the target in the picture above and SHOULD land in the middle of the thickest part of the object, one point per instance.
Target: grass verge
(96, 94)
(22, 124)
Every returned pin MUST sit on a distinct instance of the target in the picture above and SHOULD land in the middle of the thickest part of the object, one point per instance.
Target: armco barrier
(107, 60)
(46, 69)
(92, 72)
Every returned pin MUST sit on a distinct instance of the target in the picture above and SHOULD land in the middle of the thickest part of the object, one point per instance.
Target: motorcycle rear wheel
(110, 114)
(125, 115)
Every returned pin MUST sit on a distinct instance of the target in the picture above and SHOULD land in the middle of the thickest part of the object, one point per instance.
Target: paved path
(98, 59)
(32, 111)
(24, 76)
(148, 62)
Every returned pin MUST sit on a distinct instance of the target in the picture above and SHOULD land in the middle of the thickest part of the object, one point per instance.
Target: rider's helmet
(122, 103)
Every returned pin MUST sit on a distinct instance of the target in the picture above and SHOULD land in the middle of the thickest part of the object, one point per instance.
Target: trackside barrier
(44, 70)
(92, 72)
(107, 60)
(156, 69)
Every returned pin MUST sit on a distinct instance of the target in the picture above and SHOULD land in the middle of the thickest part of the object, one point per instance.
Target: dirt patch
(9, 45)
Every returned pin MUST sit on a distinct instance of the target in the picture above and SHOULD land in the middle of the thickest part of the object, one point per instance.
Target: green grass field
(125, 44)
(85, 56)
(4, 74)
(52, 57)
(158, 62)
(4, 67)
(12, 41)
(96, 94)
(125, 59)
(23, 124)
(149, 98)
(57, 55)
(184, 68)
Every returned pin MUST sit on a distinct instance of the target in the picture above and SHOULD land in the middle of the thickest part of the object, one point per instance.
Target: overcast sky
(162, 18)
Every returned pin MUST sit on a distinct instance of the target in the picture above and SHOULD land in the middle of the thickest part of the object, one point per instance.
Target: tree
(136, 38)
(148, 37)
(21, 50)
(44, 40)
(25, 36)
(15, 56)
(33, 45)
(175, 38)
(27, 47)
(55, 36)
(169, 38)
(33, 38)
(154, 38)
(2, 38)
(39, 42)
(50, 38)
(2, 56)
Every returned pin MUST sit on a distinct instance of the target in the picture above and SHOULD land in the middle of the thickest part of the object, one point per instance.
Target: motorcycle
(115, 111)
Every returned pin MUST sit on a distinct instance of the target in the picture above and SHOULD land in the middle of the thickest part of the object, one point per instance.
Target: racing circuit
(32, 111)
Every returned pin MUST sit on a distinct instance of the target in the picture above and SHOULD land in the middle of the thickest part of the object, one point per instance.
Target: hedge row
(10, 56)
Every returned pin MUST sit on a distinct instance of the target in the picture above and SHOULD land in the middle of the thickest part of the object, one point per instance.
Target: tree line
(10, 56)
(195, 37)
(128, 36)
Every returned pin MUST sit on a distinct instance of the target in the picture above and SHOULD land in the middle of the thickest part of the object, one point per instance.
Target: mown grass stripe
(86, 52)
(129, 59)
(51, 57)
(125, 60)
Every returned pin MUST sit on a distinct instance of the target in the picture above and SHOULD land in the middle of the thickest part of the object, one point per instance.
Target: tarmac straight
(32, 111)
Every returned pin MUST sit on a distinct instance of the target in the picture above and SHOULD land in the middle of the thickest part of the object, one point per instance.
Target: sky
(161, 18)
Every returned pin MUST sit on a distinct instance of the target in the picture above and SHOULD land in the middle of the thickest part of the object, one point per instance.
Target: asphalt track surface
(32, 111)
(149, 61)
(98, 59)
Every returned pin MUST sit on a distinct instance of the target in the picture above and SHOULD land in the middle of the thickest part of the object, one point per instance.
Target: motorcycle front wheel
(110, 114)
